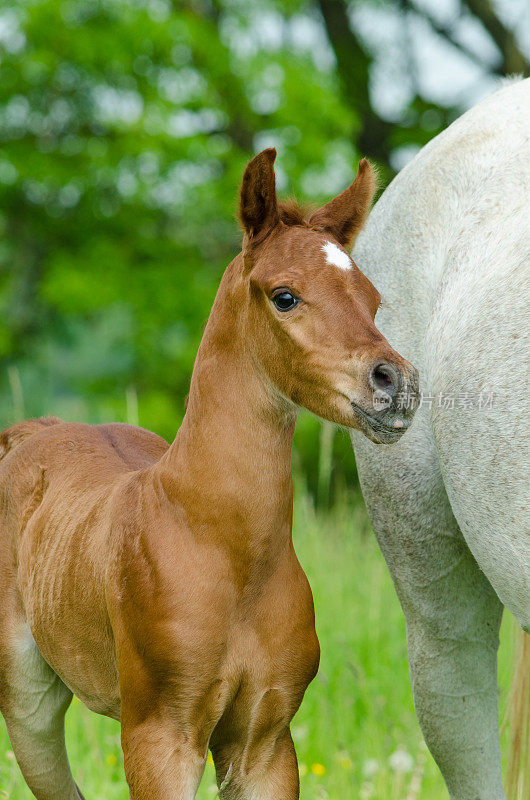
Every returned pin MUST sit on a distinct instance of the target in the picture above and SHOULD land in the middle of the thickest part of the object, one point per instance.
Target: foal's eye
(285, 300)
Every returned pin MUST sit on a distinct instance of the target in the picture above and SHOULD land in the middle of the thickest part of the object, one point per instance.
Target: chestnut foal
(160, 583)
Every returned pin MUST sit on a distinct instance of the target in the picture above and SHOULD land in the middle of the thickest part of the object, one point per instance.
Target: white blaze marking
(336, 256)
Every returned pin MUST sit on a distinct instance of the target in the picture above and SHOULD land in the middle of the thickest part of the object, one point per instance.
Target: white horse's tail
(518, 713)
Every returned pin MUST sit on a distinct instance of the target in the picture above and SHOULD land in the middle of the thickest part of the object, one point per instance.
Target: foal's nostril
(384, 377)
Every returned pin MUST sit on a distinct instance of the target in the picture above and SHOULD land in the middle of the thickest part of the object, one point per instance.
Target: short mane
(294, 213)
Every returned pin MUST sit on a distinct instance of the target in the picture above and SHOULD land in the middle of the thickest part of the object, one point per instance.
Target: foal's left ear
(345, 215)
(258, 206)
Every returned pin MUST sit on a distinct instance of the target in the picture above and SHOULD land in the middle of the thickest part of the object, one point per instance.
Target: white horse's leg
(33, 701)
(452, 613)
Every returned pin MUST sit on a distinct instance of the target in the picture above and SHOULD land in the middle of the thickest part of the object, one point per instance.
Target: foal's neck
(230, 463)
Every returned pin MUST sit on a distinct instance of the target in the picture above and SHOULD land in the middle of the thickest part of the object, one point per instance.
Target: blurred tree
(378, 135)
(124, 130)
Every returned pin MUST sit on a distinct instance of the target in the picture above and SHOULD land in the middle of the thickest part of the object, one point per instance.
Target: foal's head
(311, 311)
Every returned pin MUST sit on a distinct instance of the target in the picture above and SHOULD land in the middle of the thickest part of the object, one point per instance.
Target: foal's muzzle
(395, 394)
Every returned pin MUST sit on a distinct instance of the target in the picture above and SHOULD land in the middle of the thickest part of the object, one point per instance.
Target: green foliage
(125, 128)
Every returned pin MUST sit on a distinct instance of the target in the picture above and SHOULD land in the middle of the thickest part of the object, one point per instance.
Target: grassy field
(356, 734)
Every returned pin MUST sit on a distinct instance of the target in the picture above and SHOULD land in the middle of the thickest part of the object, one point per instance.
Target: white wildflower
(370, 768)
(401, 761)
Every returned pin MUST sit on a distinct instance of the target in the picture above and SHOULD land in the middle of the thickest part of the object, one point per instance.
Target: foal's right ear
(344, 216)
(258, 206)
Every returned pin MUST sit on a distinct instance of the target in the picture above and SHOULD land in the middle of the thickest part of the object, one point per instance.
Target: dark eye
(284, 300)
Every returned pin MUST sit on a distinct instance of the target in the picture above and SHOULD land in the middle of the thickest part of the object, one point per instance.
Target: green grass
(358, 712)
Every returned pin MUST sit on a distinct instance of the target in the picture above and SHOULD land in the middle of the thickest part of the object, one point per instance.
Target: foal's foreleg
(160, 762)
(267, 770)
(163, 758)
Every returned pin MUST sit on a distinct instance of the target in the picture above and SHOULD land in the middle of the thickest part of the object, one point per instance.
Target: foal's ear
(345, 215)
(258, 207)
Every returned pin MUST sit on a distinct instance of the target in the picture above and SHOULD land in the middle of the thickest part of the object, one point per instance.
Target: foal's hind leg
(33, 702)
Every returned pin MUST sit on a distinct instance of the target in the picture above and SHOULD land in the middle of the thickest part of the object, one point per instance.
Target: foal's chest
(262, 683)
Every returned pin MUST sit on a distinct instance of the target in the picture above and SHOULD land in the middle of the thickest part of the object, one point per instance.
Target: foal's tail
(16, 434)
(518, 777)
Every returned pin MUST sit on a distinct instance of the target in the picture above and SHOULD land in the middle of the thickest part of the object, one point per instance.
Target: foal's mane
(294, 213)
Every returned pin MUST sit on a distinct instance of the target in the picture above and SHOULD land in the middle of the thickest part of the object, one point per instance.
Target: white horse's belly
(477, 347)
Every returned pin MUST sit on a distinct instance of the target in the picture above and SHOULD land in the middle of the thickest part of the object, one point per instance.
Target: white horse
(448, 246)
